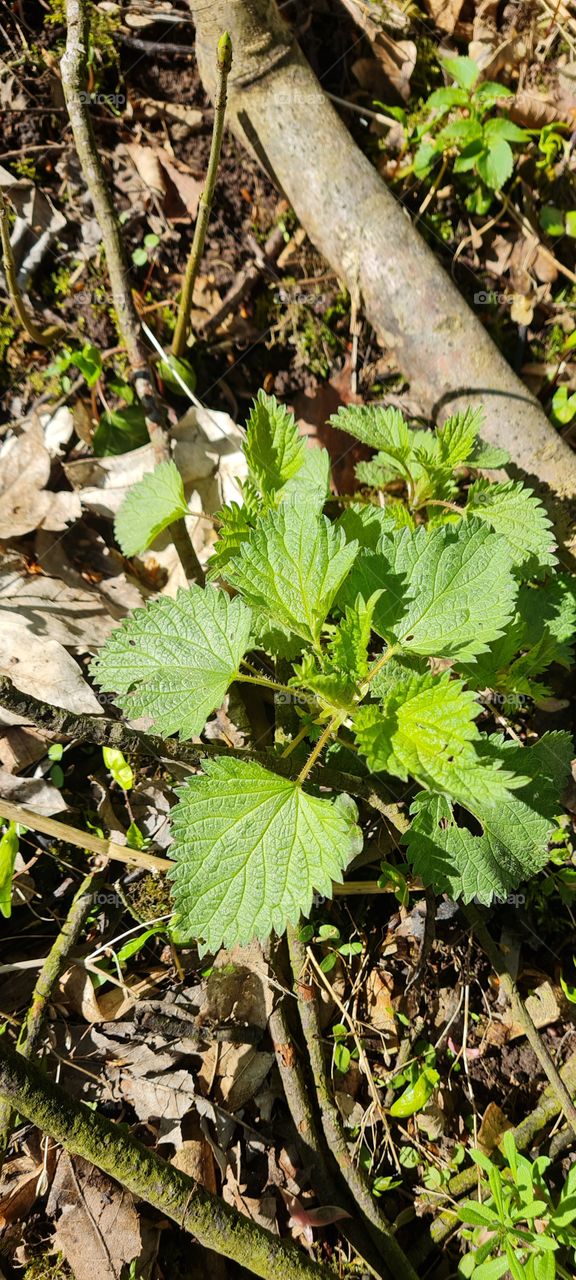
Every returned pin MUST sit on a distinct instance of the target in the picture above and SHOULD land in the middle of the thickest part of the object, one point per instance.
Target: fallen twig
(373, 1220)
(31, 1031)
(43, 337)
(74, 81)
(310, 1139)
(521, 1014)
(84, 1132)
(223, 65)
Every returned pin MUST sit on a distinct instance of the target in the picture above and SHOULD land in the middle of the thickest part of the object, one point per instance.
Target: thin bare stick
(42, 337)
(372, 1218)
(82, 839)
(31, 1032)
(74, 82)
(521, 1013)
(223, 64)
(309, 1136)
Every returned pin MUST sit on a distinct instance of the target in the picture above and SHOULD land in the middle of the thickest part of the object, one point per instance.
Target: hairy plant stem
(373, 1220)
(223, 64)
(31, 1031)
(86, 1133)
(43, 337)
(329, 732)
(74, 81)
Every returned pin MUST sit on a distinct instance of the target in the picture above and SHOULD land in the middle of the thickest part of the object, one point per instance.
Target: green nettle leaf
(174, 659)
(424, 730)
(250, 850)
(518, 516)
(311, 483)
(291, 566)
(447, 593)
(348, 649)
(543, 631)
(233, 529)
(515, 827)
(274, 448)
(458, 438)
(488, 456)
(382, 429)
(149, 507)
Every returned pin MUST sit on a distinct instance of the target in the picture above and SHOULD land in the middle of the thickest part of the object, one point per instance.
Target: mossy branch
(112, 1149)
(31, 1032)
(223, 65)
(114, 733)
(74, 85)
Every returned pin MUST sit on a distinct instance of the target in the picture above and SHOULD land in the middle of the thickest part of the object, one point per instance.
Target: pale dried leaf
(33, 793)
(44, 669)
(98, 1229)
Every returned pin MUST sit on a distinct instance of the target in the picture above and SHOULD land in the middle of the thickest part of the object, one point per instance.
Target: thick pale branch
(31, 1034)
(278, 108)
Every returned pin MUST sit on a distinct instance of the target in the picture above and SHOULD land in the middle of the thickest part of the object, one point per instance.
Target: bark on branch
(85, 1133)
(74, 82)
(279, 110)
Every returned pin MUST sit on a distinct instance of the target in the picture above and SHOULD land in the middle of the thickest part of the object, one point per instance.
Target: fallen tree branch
(376, 1225)
(278, 109)
(31, 1031)
(114, 733)
(74, 82)
(114, 1150)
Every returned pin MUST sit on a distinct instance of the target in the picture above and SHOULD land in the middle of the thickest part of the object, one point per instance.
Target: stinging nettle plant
(377, 628)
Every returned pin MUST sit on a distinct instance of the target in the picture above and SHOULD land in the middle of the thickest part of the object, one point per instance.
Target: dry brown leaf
(380, 1012)
(25, 504)
(146, 161)
(532, 110)
(167, 179)
(44, 669)
(444, 13)
(494, 1124)
(101, 1006)
(23, 1180)
(98, 1229)
(543, 1008)
(179, 112)
(33, 793)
